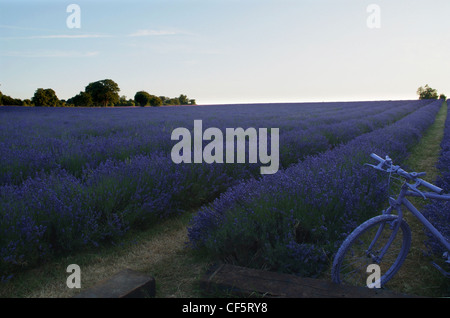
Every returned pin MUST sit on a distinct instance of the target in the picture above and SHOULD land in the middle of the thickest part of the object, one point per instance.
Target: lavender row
(57, 213)
(115, 135)
(297, 145)
(35, 140)
(295, 220)
(438, 212)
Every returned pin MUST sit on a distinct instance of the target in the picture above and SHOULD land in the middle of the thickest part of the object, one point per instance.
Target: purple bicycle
(385, 239)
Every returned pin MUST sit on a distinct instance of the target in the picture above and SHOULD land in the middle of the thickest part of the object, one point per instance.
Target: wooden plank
(125, 284)
(245, 282)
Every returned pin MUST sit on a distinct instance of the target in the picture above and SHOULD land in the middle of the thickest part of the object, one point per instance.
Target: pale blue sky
(227, 51)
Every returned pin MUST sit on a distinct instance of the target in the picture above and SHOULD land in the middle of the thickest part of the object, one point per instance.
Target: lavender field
(76, 178)
(295, 220)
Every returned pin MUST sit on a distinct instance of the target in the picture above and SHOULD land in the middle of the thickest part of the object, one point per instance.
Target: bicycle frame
(402, 200)
(422, 219)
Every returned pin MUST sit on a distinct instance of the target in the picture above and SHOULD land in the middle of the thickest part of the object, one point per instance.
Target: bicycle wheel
(360, 249)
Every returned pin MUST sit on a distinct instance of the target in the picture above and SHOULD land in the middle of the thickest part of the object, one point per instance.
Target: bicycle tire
(352, 245)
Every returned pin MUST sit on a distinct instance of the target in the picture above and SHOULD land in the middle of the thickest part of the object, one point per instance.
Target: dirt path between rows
(163, 256)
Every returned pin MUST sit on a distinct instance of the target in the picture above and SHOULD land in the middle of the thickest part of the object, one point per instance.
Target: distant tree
(81, 99)
(142, 98)
(6, 100)
(427, 92)
(173, 101)
(104, 92)
(27, 102)
(164, 99)
(155, 101)
(1, 95)
(45, 97)
(9, 101)
(183, 99)
(442, 96)
(123, 101)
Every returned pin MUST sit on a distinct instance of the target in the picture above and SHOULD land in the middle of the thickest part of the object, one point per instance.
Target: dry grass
(160, 253)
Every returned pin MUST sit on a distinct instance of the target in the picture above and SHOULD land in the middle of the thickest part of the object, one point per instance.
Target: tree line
(106, 93)
(101, 93)
(426, 92)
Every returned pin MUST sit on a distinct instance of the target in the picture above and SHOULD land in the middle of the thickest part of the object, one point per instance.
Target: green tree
(427, 92)
(142, 98)
(123, 101)
(183, 99)
(173, 101)
(155, 101)
(104, 92)
(442, 96)
(9, 101)
(81, 99)
(45, 97)
(164, 99)
(27, 102)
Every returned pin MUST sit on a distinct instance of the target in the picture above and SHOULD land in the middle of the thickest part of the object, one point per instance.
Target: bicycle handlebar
(376, 157)
(410, 176)
(431, 187)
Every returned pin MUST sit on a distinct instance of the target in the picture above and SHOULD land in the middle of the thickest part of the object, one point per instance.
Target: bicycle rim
(350, 266)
